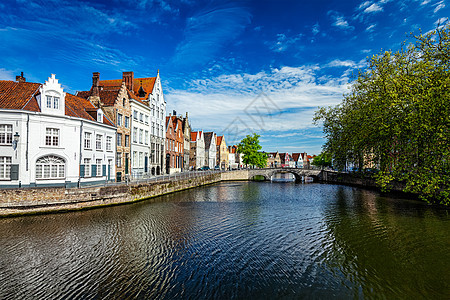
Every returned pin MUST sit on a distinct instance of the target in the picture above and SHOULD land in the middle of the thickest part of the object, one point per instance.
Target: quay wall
(353, 180)
(53, 199)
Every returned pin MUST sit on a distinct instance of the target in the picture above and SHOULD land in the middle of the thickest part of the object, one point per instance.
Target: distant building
(187, 142)
(197, 150)
(306, 163)
(273, 160)
(222, 153)
(210, 149)
(52, 138)
(298, 160)
(174, 144)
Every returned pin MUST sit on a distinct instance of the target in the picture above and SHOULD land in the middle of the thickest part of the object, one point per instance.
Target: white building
(140, 138)
(210, 149)
(52, 138)
(197, 150)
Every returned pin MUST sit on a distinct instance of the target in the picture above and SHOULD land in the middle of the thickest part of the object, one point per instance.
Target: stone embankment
(52, 199)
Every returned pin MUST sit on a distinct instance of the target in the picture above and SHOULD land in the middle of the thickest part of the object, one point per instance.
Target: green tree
(322, 160)
(397, 118)
(249, 146)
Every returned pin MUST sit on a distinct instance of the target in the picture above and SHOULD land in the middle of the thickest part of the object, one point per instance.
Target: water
(242, 240)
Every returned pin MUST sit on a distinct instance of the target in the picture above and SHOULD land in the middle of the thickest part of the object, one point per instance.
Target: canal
(242, 240)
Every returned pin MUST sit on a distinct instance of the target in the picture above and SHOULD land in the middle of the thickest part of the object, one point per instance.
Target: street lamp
(15, 140)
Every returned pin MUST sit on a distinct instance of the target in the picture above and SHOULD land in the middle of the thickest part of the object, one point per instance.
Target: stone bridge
(248, 174)
(298, 173)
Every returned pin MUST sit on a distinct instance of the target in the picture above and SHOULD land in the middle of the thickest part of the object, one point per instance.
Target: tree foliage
(324, 159)
(249, 146)
(397, 118)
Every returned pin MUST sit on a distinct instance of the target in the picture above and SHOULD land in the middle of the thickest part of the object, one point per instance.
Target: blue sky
(235, 66)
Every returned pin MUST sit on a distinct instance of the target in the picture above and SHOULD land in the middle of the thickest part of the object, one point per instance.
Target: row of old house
(287, 160)
(115, 130)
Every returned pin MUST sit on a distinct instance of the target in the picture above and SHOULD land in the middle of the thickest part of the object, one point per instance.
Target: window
(146, 119)
(108, 143)
(50, 167)
(141, 159)
(124, 102)
(141, 133)
(98, 163)
(157, 111)
(135, 158)
(119, 120)
(135, 135)
(87, 167)
(5, 167)
(56, 102)
(127, 122)
(87, 140)
(127, 140)
(135, 114)
(5, 134)
(153, 153)
(98, 142)
(119, 160)
(146, 137)
(141, 117)
(153, 109)
(49, 102)
(52, 137)
(153, 128)
(119, 139)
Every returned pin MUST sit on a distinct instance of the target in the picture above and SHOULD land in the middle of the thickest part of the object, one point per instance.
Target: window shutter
(104, 170)
(14, 172)
(94, 171)
(82, 171)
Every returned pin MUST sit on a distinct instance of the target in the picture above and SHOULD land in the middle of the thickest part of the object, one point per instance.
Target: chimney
(20, 78)
(128, 78)
(174, 112)
(95, 83)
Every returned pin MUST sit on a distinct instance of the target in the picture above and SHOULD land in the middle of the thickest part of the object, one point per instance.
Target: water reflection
(233, 240)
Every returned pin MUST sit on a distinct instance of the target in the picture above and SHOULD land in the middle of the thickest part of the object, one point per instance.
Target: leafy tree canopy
(397, 118)
(322, 160)
(249, 146)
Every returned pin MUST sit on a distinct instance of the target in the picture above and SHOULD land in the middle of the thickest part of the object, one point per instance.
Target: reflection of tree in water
(384, 247)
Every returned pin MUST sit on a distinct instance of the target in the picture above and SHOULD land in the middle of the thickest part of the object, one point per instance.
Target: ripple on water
(232, 240)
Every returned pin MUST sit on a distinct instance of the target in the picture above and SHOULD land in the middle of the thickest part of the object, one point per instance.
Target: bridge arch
(298, 173)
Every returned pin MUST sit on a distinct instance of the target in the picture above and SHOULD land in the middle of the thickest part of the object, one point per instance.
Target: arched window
(50, 167)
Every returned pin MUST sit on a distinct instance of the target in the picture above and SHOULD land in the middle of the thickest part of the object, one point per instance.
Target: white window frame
(5, 167)
(51, 137)
(6, 136)
(87, 141)
(141, 136)
(119, 139)
(109, 143)
(87, 167)
(56, 102)
(98, 163)
(98, 142)
(50, 167)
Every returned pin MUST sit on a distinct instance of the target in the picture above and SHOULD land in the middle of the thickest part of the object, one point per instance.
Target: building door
(167, 163)
(146, 164)
(126, 163)
(109, 169)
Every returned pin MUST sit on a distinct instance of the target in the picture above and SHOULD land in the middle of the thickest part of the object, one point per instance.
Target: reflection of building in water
(283, 177)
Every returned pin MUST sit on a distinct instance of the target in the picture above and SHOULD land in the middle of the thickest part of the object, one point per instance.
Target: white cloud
(364, 5)
(440, 5)
(6, 74)
(341, 22)
(440, 22)
(373, 8)
(283, 42)
(290, 98)
(371, 28)
(425, 2)
(315, 29)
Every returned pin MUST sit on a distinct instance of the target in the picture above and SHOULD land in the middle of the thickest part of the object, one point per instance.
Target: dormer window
(52, 102)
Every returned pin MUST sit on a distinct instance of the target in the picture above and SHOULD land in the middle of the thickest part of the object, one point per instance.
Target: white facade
(49, 150)
(140, 139)
(210, 152)
(157, 106)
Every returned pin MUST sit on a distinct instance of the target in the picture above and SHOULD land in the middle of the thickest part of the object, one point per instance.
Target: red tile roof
(147, 84)
(22, 95)
(219, 140)
(295, 156)
(18, 95)
(193, 136)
